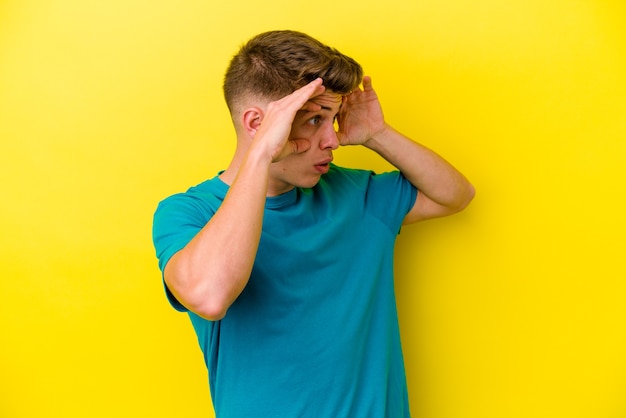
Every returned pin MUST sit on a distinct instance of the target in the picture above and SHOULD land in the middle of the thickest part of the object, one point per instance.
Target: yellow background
(514, 308)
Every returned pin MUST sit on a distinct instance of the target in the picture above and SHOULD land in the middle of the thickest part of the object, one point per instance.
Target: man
(284, 261)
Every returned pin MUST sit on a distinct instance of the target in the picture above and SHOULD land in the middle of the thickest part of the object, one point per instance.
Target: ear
(251, 120)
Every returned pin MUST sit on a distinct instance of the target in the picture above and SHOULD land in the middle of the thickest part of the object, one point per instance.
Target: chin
(309, 183)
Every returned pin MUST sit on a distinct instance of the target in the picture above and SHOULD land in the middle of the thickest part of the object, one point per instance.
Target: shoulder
(208, 192)
(366, 178)
(192, 208)
(388, 195)
(179, 217)
(338, 175)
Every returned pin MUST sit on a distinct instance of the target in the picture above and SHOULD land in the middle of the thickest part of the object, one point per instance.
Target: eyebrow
(329, 109)
(322, 107)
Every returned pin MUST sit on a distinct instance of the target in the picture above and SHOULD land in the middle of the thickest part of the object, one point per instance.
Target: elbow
(210, 312)
(470, 193)
(198, 296)
(210, 304)
(464, 198)
(203, 303)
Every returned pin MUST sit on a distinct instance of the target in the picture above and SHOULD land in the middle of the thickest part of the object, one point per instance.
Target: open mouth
(322, 167)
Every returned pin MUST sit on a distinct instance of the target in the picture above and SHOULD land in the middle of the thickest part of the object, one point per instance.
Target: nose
(329, 139)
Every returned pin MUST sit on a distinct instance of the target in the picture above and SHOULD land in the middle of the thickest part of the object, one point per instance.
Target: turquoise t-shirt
(315, 331)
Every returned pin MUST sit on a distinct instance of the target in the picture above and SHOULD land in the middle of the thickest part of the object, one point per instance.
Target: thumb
(341, 137)
(299, 145)
(293, 146)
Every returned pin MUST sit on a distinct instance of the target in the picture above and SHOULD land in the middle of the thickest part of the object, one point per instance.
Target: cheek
(290, 163)
(301, 131)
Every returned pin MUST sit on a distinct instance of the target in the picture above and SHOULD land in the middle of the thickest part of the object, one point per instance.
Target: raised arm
(443, 190)
(208, 274)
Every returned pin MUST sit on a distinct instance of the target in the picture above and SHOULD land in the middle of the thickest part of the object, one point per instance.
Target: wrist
(380, 138)
(259, 155)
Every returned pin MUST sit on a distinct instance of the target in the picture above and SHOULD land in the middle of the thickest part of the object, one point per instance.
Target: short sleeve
(390, 196)
(176, 221)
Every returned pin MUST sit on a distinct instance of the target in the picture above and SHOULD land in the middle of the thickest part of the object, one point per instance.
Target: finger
(298, 98)
(293, 146)
(310, 90)
(319, 89)
(367, 83)
(340, 138)
(311, 107)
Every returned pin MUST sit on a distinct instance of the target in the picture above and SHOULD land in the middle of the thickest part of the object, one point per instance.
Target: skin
(288, 143)
(316, 126)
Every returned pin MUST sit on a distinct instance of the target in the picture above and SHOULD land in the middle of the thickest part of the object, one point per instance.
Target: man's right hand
(279, 116)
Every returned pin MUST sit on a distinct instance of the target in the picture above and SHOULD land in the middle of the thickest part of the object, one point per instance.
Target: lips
(326, 161)
(323, 166)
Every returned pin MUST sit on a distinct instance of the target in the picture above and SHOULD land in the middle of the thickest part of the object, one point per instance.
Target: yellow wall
(514, 308)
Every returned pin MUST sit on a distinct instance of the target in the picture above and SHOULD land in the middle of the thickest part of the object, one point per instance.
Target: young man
(284, 261)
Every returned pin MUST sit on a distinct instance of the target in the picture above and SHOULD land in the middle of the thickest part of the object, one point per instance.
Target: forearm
(432, 175)
(210, 272)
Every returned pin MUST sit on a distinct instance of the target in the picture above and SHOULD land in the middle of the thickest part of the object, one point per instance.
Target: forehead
(329, 100)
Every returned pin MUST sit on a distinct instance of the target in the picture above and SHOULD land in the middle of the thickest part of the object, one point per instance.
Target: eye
(315, 120)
